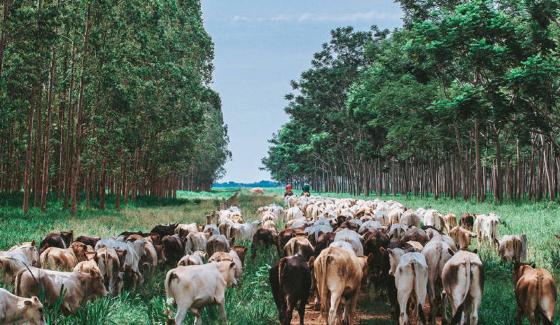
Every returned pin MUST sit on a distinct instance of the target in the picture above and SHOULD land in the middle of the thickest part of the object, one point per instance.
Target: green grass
(251, 303)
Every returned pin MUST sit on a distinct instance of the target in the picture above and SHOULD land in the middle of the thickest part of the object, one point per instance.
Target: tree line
(104, 96)
(462, 101)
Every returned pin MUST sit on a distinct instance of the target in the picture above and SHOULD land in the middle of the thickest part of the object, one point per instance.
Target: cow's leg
(335, 300)
(518, 315)
(289, 310)
(404, 289)
(181, 314)
(301, 311)
(222, 309)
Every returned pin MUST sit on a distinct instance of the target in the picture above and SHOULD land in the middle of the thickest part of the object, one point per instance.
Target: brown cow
(64, 259)
(462, 237)
(263, 237)
(467, 221)
(338, 273)
(173, 249)
(290, 280)
(89, 266)
(91, 241)
(241, 252)
(57, 239)
(217, 243)
(110, 262)
(536, 295)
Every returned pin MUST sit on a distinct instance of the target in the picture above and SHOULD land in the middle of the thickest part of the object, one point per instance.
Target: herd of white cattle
(344, 246)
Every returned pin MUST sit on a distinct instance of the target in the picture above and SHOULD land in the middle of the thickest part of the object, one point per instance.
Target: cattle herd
(332, 250)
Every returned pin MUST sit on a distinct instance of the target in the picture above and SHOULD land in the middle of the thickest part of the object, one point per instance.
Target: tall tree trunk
(45, 182)
(28, 157)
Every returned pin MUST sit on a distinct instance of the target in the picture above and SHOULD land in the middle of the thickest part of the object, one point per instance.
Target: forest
(106, 97)
(461, 102)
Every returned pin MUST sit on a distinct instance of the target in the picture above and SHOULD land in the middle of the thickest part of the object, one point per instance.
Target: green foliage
(464, 93)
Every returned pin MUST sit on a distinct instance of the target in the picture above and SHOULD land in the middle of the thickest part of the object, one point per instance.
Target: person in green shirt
(306, 190)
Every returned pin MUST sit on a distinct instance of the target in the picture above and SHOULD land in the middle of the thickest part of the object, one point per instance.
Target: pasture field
(251, 303)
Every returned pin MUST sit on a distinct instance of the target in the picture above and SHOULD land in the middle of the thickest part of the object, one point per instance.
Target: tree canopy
(461, 101)
(98, 95)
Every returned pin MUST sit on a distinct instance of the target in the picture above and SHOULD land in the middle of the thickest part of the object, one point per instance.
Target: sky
(259, 46)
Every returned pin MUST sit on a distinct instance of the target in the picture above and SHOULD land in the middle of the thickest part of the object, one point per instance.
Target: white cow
(463, 282)
(411, 275)
(196, 286)
(353, 238)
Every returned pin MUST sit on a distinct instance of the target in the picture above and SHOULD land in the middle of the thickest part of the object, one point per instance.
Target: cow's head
(33, 311)
(79, 250)
(93, 285)
(67, 236)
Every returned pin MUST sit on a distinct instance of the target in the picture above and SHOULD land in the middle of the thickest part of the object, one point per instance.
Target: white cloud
(323, 17)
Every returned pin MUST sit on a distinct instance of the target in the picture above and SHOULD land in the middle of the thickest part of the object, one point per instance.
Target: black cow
(290, 280)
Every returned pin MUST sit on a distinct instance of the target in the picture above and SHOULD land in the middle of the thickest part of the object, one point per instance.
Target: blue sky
(261, 45)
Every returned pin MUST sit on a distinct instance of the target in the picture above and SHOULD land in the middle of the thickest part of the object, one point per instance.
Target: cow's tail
(418, 302)
(540, 309)
(281, 266)
(468, 274)
(322, 289)
(168, 292)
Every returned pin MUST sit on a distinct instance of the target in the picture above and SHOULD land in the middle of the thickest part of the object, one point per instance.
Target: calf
(513, 248)
(411, 275)
(290, 281)
(17, 310)
(196, 286)
(535, 292)
(463, 282)
(338, 274)
(57, 239)
(78, 287)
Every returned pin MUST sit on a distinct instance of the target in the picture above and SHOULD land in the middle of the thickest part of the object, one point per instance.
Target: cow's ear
(232, 265)
(28, 302)
(382, 250)
(33, 242)
(35, 299)
(93, 273)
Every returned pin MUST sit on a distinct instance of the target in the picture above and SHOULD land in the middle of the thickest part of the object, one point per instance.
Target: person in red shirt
(288, 191)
